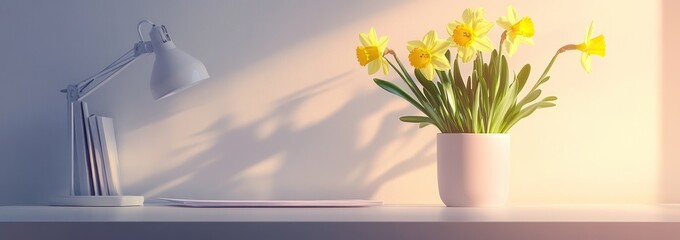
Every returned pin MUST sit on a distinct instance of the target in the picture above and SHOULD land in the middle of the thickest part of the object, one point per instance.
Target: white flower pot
(473, 169)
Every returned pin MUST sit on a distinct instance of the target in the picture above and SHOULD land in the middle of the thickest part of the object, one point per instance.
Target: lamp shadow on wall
(273, 158)
(289, 160)
(669, 179)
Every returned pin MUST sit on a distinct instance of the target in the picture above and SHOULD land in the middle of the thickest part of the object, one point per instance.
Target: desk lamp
(173, 71)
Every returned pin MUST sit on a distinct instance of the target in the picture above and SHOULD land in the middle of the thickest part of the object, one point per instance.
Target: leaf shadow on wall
(319, 161)
(234, 35)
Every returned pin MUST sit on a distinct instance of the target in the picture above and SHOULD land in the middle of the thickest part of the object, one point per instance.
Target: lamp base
(98, 201)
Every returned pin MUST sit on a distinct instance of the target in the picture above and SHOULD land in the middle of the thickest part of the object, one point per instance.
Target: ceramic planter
(473, 169)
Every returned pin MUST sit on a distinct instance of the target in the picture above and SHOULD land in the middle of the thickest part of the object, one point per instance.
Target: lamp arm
(84, 91)
(80, 90)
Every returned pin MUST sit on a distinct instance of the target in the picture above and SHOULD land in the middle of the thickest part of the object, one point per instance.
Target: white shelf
(98, 201)
(386, 222)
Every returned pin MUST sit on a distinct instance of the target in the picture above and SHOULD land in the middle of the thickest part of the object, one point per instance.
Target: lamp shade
(173, 69)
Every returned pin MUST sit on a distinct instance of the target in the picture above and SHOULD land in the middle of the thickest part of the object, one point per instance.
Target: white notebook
(271, 203)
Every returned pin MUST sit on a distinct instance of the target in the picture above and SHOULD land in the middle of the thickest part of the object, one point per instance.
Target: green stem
(545, 72)
(427, 107)
(396, 70)
(407, 79)
(498, 65)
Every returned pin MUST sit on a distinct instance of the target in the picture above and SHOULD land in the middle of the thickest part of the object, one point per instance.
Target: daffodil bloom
(518, 30)
(469, 36)
(591, 46)
(428, 54)
(371, 52)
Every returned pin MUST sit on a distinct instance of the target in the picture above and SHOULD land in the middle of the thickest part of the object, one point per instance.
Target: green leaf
(522, 77)
(447, 98)
(475, 112)
(415, 119)
(409, 81)
(457, 78)
(493, 76)
(503, 108)
(432, 100)
(500, 92)
(546, 104)
(448, 55)
(530, 97)
(550, 98)
(525, 112)
(504, 77)
(479, 68)
(394, 89)
(423, 124)
(429, 87)
(486, 74)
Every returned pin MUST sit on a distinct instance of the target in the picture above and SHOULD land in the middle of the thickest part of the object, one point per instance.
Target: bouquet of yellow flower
(485, 102)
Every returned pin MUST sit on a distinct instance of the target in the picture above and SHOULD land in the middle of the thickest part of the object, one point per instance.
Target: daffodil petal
(450, 27)
(382, 44)
(507, 45)
(429, 38)
(586, 62)
(364, 39)
(512, 14)
(483, 44)
(428, 72)
(372, 36)
(440, 63)
(468, 15)
(373, 67)
(479, 14)
(414, 44)
(466, 54)
(589, 31)
(504, 23)
(440, 47)
(384, 65)
(512, 47)
(525, 40)
(483, 28)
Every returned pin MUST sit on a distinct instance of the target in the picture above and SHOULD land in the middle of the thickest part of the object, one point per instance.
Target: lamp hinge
(71, 92)
(143, 48)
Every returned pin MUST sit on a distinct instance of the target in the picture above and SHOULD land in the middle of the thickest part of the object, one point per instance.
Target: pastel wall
(669, 179)
(289, 114)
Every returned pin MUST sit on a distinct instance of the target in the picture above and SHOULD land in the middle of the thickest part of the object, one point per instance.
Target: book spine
(100, 165)
(81, 173)
(89, 153)
(110, 152)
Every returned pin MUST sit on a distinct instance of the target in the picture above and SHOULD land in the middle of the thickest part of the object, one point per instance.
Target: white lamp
(173, 71)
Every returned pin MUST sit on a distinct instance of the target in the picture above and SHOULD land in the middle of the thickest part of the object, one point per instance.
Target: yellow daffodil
(428, 54)
(591, 46)
(517, 30)
(371, 52)
(469, 36)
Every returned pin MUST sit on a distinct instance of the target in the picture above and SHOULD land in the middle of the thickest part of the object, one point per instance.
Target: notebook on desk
(271, 203)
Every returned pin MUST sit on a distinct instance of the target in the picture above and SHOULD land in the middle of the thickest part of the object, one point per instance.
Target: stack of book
(95, 161)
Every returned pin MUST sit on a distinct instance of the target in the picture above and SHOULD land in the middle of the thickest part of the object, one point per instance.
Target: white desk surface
(556, 222)
(387, 213)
